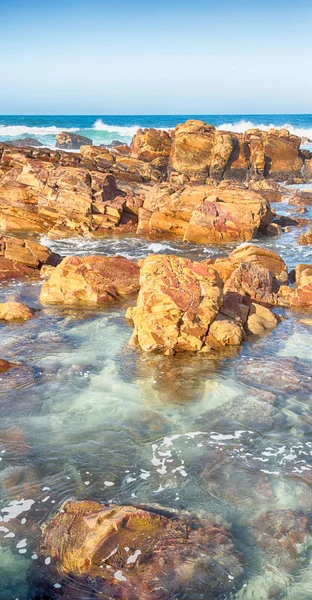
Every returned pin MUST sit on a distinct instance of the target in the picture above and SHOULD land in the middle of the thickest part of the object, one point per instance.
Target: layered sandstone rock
(71, 141)
(94, 280)
(20, 257)
(305, 239)
(206, 213)
(129, 552)
(301, 296)
(177, 302)
(14, 311)
(200, 151)
(150, 144)
(256, 254)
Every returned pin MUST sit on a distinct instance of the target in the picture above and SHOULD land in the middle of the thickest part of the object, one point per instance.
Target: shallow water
(229, 434)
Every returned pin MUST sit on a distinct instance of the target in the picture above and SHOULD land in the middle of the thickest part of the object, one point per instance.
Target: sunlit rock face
(133, 553)
(208, 213)
(20, 257)
(90, 280)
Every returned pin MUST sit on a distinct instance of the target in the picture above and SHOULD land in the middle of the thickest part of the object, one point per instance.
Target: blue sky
(155, 57)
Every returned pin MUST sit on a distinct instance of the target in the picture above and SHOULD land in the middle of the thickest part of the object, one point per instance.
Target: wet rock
(5, 365)
(128, 552)
(14, 311)
(305, 239)
(13, 440)
(301, 198)
(224, 332)
(206, 213)
(19, 257)
(149, 144)
(301, 296)
(279, 375)
(91, 280)
(177, 302)
(72, 141)
(26, 141)
(260, 320)
(283, 535)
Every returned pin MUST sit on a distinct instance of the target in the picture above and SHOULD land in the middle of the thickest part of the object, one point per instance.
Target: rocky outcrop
(183, 306)
(301, 296)
(177, 302)
(131, 552)
(20, 257)
(26, 141)
(93, 280)
(305, 239)
(258, 255)
(71, 141)
(14, 311)
(200, 151)
(206, 213)
(150, 144)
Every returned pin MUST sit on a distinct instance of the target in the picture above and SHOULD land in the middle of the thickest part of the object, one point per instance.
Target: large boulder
(14, 311)
(26, 141)
(258, 255)
(149, 144)
(177, 302)
(71, 141)
(20, 257)
(206, 213)
(131, 552)
(93, 280)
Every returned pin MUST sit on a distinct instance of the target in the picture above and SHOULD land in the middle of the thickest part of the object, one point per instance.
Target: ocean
(104, 129)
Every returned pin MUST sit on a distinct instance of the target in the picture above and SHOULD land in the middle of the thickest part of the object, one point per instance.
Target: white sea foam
(123, 131)
(242, 126)
(15, 130)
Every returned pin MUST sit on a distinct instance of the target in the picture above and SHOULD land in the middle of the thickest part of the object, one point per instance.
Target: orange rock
(129, 552)
(305, 239)
(90, 280)
(20, 257)
(177, 302)
(149, 144)
(301, 297)
(14, 311)
(224, 332)
(71, 141)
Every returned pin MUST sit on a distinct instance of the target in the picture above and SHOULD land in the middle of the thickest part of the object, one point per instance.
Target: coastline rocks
(200, 151)
(150, 144)
(133, 552)
(14, 311)
(301, 296)
(93, 280)
(205, 214)
(261, 257)
(278, 375)
(177, 302)
(71, 141)
(26, 141)
(305, 239)
(20, 257)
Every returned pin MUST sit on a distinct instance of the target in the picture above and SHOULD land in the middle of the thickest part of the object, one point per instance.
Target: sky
(155, 57)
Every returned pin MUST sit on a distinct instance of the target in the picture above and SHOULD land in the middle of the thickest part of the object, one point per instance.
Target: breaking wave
(16, 130)
(119, 130)
(242, 126)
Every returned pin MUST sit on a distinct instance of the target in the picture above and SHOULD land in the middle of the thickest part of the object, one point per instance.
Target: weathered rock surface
(301, 296)
(20, 257)
(91, 280)
(14, 311)
(127, 552)
(150, 144)
(262, 257)
(26, 141)
(206, 213)
(305, 239)
(278, 375)
(71, 141)
(200, 151)
(177, 302)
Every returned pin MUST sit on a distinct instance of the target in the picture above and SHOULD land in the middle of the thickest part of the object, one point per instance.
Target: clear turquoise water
(105, 422)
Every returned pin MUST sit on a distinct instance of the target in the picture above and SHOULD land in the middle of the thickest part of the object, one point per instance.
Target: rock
(14, 311)
(177, 302)
(305, 239)
(13, 440)
(205, 214)
(91, 280)
(260, 256)
(192, 150)
(224, 332)
(5, 365)
(19, 257)
(301, 296)
(274, 229)
(142, 551)
(307, 169)
(260, 320)
(71, 141)
(283, 535)
(280, 375)
(268, 188)
(252, 282)
(149, 144)
(301, 198)
(26, 141)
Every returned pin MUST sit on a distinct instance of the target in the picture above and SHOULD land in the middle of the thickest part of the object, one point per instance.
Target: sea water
(229, 434)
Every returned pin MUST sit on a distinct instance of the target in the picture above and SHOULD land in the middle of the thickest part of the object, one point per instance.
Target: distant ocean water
(104, 129)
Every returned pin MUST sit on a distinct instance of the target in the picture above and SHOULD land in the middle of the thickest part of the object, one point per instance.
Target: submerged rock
(279, 375)
(14, 311)
(91, 280)
(72, 141)
(5, 365)
(135, 553)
